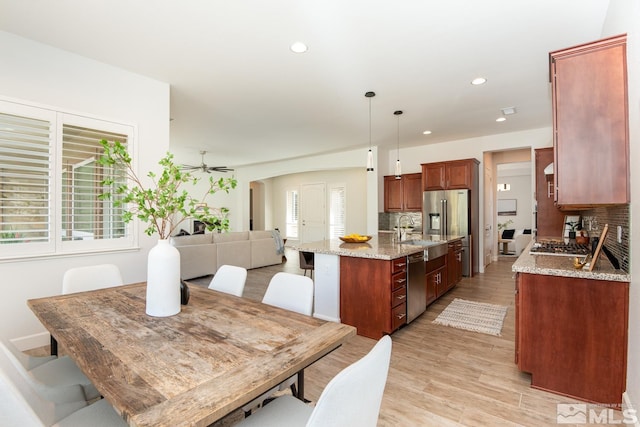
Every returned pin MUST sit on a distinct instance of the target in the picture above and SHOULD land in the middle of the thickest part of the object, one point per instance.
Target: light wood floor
(441, 376)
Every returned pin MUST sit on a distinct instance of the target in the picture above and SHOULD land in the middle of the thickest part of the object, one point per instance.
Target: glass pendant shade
(370, 161)
(398, 169)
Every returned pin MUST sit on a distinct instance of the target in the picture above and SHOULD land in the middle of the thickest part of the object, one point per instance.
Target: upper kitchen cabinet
(590, 122)
(456, 174)
(404, 194)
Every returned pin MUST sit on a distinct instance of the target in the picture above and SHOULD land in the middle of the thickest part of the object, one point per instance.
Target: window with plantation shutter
(293, 211)
(50, 183)
(25, 181)
(84, 215)
(337, 211)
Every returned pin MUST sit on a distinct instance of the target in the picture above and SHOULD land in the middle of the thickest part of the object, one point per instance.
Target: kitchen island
(571, 327)
(365, 284)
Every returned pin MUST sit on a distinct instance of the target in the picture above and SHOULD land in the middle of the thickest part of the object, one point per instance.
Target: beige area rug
(473, 316)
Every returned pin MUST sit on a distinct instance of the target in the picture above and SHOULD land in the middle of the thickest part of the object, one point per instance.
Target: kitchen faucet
(400, 224)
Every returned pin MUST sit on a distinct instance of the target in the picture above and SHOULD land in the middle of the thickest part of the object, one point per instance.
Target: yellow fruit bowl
(354, 238)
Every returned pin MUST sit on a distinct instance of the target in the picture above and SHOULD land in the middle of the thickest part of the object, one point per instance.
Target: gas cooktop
(559, 248)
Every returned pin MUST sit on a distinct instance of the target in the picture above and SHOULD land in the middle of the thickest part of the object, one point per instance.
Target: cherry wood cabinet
(373, 294)
(590, 123)
(454, 263)
(549, 218)
(571, 335)
(436, 277)
(455, 174)
(404, 194)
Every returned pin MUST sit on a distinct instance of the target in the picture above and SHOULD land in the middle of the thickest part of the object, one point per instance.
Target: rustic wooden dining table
(219, 353)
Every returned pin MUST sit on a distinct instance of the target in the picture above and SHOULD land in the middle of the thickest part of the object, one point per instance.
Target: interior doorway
(512, 170)
(313, 212)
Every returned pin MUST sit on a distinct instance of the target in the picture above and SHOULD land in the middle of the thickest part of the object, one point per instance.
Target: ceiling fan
(204, 168)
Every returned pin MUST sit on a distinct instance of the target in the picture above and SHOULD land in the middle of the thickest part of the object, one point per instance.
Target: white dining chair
(16, 409)
(50, 404)
(352, 398)
(89, 278)
(229, 279)
(54, 371)
(291, 292)
(294, 293)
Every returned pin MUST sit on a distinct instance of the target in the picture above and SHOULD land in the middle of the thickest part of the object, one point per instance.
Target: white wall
(354, 180)
(624, 17)
(54, 78)
(521, 192)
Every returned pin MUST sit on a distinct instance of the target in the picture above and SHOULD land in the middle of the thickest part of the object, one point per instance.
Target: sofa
(202, 254)
(518, 239)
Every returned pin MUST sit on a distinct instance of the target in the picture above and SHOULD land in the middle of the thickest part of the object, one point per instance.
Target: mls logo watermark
(581, 413)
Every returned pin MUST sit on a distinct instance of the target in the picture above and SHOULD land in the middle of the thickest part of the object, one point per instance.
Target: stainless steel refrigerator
(448, 213)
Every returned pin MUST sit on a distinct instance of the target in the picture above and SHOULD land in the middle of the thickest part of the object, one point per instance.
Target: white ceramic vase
(163, 280)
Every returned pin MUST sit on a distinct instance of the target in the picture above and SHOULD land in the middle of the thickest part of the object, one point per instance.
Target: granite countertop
(383, 246)
(550, 265)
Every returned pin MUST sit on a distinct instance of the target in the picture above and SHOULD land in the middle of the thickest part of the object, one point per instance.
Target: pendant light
(370, 153)
(398, 167)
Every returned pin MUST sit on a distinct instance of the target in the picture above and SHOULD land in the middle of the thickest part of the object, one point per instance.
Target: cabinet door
(458, 175)
(454, 264)
(393, 194)
(432, 285)
(412, 190)
(587, 321)
(433, 176)
(589, 91)
(441, 281)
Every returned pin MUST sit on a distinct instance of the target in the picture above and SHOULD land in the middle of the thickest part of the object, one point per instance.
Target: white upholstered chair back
(291, 292)
(229, 279)
(89, 278)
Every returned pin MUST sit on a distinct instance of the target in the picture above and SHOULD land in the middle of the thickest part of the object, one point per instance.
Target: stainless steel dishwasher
(416, 286)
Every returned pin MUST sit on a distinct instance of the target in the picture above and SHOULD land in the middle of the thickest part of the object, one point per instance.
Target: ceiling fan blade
(220, 169)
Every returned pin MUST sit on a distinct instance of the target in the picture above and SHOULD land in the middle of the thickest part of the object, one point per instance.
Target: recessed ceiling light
(501, 119)
(298, 47)
(426, 132)
(478, 81)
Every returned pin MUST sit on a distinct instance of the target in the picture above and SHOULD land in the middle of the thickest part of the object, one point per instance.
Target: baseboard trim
(32, 341)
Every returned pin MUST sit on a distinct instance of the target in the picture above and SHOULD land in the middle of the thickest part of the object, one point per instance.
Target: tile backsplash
(593, 221)
(388, 220)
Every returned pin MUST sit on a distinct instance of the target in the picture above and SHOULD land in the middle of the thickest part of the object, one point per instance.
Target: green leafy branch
(164, 205)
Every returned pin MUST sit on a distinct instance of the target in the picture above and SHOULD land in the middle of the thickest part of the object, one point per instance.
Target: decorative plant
(504, 224)
(573, 225)
(164, 205)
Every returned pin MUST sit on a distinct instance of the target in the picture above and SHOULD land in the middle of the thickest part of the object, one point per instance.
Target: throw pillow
(508, 234)
(183, 233)
(527, 231)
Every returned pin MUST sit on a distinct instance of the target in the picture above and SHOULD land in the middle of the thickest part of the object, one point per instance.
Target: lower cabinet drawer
(398, 296)
(399, 281)
(398, 316)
